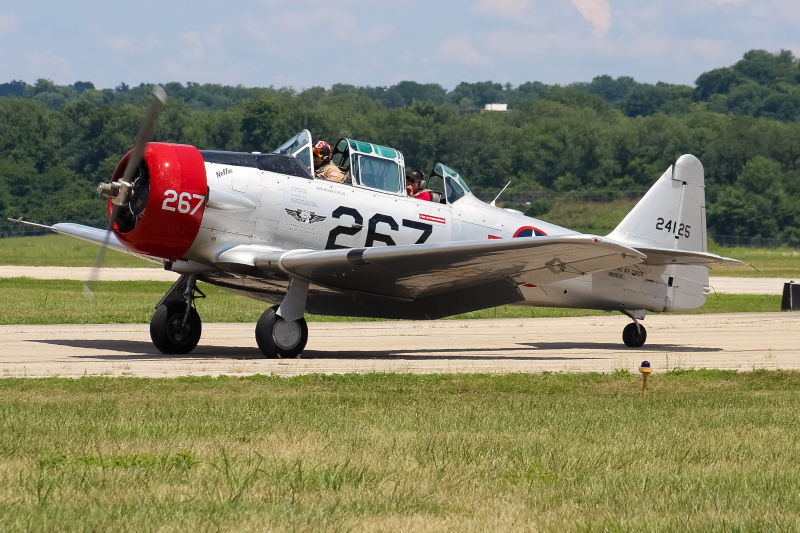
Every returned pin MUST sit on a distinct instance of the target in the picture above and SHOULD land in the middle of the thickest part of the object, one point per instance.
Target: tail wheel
(277, 337)
(634, 336)
(168, 332)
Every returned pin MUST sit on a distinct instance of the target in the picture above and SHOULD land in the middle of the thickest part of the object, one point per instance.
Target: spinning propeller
(128, 194)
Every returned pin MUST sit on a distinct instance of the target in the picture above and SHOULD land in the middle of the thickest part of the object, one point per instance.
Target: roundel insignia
(529, 231)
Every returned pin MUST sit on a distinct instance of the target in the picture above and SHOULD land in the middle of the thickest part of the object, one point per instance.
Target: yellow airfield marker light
(645, 370)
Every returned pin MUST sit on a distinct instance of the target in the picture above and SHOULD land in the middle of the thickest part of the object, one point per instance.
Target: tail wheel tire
(168, 332)
(277, 337)
(633, 336)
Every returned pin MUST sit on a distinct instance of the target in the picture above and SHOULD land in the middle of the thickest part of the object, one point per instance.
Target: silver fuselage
(248, 206)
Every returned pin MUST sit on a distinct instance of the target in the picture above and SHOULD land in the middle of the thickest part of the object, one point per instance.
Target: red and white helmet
(322, 149)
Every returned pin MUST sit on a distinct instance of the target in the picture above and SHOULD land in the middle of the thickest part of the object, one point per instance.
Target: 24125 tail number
(672, 226)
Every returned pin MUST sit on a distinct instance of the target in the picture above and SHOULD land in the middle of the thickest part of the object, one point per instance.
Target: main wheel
(278, 338)
(634, 337)
(168, 332)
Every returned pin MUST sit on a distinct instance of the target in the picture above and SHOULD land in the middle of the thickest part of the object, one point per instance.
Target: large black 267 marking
(358, 223)
(372, 227)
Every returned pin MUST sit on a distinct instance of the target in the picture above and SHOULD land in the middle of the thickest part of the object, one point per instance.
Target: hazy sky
(303, 43)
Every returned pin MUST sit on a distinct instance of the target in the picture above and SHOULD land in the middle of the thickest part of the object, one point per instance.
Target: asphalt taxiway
(742, 341)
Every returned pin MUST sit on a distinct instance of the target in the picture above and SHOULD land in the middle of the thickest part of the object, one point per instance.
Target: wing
(422, 270)
(92, 235)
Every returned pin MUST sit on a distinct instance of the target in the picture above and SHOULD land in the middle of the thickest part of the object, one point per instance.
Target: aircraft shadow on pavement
(133, 350)
(145, 350)
(140, 350)
(610, 346)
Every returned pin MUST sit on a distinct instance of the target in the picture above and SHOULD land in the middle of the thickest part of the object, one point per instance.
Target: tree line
(58, 142)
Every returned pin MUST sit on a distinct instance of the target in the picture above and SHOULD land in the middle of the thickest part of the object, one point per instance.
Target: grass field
(31, 301)
(777, 263)
(61, 250)
(707, 451)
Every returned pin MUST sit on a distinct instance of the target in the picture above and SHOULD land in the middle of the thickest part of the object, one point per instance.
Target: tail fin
(671, 218)
(672, 215)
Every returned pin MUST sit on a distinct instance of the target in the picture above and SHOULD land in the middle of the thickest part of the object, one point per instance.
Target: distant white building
(495, 107)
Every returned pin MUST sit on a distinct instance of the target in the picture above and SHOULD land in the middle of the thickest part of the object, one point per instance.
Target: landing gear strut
(634, 335)
(176, 327)
(281, 331)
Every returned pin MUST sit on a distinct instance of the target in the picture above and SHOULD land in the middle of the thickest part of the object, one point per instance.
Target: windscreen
(299, 147)
(455, 187)
(454, 190)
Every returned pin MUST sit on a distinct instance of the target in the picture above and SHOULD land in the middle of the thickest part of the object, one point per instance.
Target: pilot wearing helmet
(414, 186)
(323, 168)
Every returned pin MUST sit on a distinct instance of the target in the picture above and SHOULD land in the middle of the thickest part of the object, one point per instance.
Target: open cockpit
(380, 168)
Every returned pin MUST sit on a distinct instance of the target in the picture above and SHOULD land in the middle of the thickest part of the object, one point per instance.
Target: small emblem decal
(431, 218)
(301, 215)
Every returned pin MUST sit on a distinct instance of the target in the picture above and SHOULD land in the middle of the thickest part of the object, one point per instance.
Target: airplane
(262, 226)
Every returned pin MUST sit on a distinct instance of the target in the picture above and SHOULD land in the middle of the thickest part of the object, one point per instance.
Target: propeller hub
(123, 193)
(108, 190)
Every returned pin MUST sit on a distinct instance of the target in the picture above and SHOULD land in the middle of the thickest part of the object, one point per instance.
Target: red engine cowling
(167, 203)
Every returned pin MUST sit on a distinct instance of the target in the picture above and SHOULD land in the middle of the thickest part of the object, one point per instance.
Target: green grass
(61, 250)
(776, 263)
(32, 301)
(707, 451)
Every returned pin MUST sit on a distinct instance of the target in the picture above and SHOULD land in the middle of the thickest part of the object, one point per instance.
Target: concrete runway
(721, 285)
(732, 341)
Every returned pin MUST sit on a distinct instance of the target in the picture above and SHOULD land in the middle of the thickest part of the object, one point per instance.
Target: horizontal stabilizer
(666, 256)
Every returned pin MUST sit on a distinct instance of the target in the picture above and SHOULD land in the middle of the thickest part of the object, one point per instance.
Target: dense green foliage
(58, 142)
(708, 451)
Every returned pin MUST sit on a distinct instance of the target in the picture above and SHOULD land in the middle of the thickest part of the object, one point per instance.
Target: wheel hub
(286, 334)
(177, 331)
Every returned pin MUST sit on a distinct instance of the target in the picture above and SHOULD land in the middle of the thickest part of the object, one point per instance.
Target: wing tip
(20, 221)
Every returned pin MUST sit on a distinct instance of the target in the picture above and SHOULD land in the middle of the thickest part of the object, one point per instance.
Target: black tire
(167, 332)
(634, 337)
(278, 338)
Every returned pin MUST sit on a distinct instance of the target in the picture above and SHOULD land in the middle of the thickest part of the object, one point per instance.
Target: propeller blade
(91, 284)
(145, 131)
(121, 199)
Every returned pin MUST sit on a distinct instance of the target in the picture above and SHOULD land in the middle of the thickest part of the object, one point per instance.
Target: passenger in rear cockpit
(323, 168)
(414, 186)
